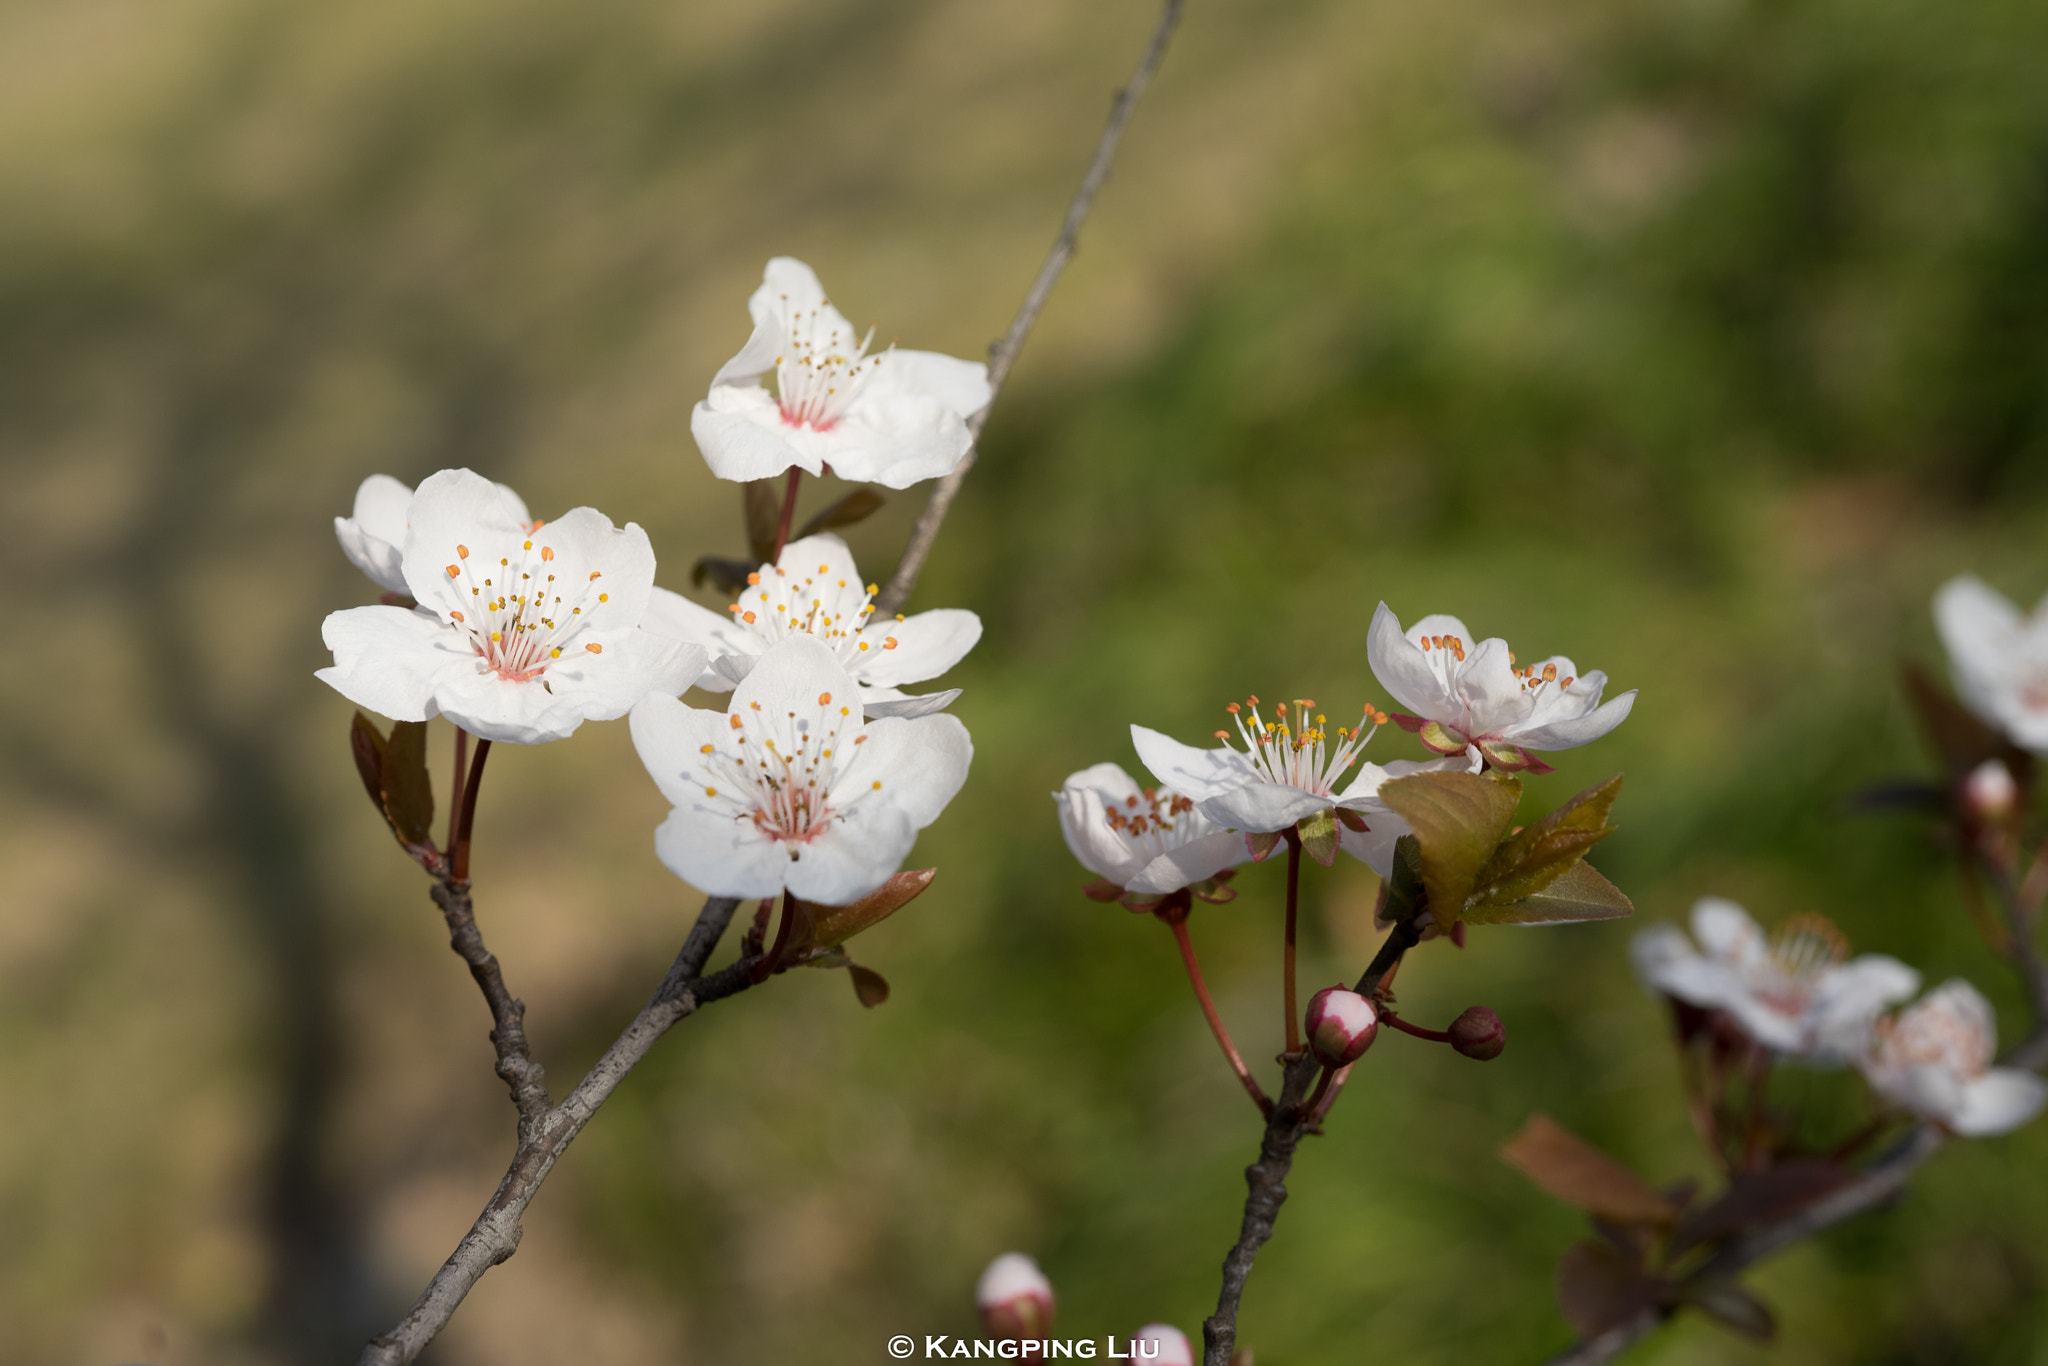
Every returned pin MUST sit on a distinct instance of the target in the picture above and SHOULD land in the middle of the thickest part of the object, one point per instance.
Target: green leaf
(1580, 1174)
(831, 925)
(408, 795)
(857, 506)
(366, 743)
(870, 986)
(727, 576)
(762, 508)
(1538, 854)
(1578, 893)
(1318, 834)
(1459, 820)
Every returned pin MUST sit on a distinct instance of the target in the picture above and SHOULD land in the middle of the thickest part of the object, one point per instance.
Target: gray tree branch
(1002, 354)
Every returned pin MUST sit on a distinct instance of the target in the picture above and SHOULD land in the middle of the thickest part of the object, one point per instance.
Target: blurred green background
(1699, 340)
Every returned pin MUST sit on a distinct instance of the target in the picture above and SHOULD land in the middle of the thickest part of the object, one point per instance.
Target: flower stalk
(1175, 913)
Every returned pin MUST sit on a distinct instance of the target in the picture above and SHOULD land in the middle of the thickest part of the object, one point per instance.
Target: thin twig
(1287, 1006)
(549, 1130)
(1179, 926)
(1003, 354)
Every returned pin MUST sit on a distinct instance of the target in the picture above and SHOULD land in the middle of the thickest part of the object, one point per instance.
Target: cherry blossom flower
(1145, 840)
(1998, 657)
(1465, 695)
(1162, 1344)
(1288, 773)
(788, 788)
(520, 635)
(373, 534)
(1934, 1058)
(1015, 1298)
(892, 418)
(814, 589)
(1796, 991)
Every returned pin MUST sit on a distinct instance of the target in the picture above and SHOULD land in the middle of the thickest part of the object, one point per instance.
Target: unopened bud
(1341, 1025)
(1990, 791)
(1478, 1033)
(1162, 1344)
(1015, 1298)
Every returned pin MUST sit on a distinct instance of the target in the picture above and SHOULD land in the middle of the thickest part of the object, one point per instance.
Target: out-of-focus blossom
(1015, 1299)
(373, 534)
(892, 418)
(1934, 1058)
(1162, 1344)
(1796, 991)
(1463, 694)
(1998, 657)
(815, 589)
(1990, 791)
(520, 635)
(1286, 773)
(789, 788)
(1145, 840)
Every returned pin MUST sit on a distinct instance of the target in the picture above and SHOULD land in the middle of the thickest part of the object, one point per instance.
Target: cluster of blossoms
(819, 773)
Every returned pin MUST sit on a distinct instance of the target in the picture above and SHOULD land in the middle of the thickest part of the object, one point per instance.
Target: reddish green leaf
(1735, 1306)
(836, 924)
(1763, 1197)
(1578, 893)
(1600, 1287)
(761, 505)
(408, 794)
(1538, 854)
(1459, 820)
(868, 985)
(366, 743)
(1580, 1174)
(858, 506)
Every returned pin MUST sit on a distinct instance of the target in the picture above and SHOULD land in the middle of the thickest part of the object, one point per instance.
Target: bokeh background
(1698, 339)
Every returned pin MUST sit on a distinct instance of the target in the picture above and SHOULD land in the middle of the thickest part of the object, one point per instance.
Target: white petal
(792, 676)
(1977, 625)
(926, 645)
(1656, 951)
(675, 616)
(1848, 999)
(373, 534)
(908, 708)
(670, 738)
(388, 658)
(1999, 1101)
(1402, 668)
(754, 359)
(1197, 773)
(1493, 698)
(896, 439)
(1931, 1090)
(1568, 734)
(959, 386)
(498, 709)
(718, 854)
(1726, 931)
(742, 436)
(1362, 792)
(1192, 862)
(789, 286)
(1110, 780)
(853, 857)
(920, 765)
(1262, 806)
(1374, 845)
(634, 663)
(1084, 824)
(1441, 624)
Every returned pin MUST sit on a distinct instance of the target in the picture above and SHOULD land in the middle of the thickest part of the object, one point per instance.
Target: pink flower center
(822, 368)
(1933, 1034)
(1801, 951)
(1300, 755)
(790, 775)
(519, 615)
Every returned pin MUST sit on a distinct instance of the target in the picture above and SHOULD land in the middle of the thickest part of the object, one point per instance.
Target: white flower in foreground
(892, 419)
(788, 788)
(520, 635)
(1015, 1298)
(1791, 992)
(1463, 694)
(1162, 1344)
(1998, 657)
(373, 534)
(1286, 774)
(1145, 840)
(1934, 1058)
(814, 589)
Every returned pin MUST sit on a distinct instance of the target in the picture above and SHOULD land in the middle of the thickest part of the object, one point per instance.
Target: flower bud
(1478, 1033)
(1341, 1025)
(1162, 1344)
(1990, 792)
(1015, 1298)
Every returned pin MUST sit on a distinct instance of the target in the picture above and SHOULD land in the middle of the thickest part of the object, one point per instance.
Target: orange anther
(595, 575)
(889, 643)
(456, 615)
(754, 577)
(735, 722)
(461, 552)
(454, 572)
(1232, 709)
(546, 552)
(594, 648)
(824, 699)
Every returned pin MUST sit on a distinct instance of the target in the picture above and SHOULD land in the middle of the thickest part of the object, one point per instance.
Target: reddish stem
(1287, 969)
(1328, 1095)
(1433, 1035)
(458, 856)
(773, 961)
(455, 788)
(796, 475)
(1179, 926)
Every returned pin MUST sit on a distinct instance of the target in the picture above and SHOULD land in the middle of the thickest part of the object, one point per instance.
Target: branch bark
(1002, 354)
(545, 1131)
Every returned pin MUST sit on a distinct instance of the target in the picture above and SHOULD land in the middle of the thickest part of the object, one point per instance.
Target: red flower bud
(1341, 1026)
(1015, 1299)
(1990, 792)
(1478, 1033)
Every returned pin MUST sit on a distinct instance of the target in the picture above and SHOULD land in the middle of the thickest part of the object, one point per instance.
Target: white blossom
(1934, 1058)
(1477, 696)
(1998, 657)
(520, 634)
(815, 589)
(893, 418)
(1796, 991)
(1145, 840)
(788, 788)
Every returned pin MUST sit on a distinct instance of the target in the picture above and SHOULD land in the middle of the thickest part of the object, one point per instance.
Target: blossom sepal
(1511, 758)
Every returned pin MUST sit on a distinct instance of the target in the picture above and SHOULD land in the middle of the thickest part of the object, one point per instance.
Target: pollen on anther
(604, 597)
(453, 572)
(461, 552)
(747, 617)
(705, 749)
(889, 643)
(594, 648)
(1232, 709)
(711, 792)
(877, 787)
(1222, 735)
(547, 552)
(555, 653)
(596, 574)
(736, 722)
(824, 699)
(527, 546)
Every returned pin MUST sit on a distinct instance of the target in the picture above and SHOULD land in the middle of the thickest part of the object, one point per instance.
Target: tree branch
(546, 1131)
(1003, 354)
(1266, 1191)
